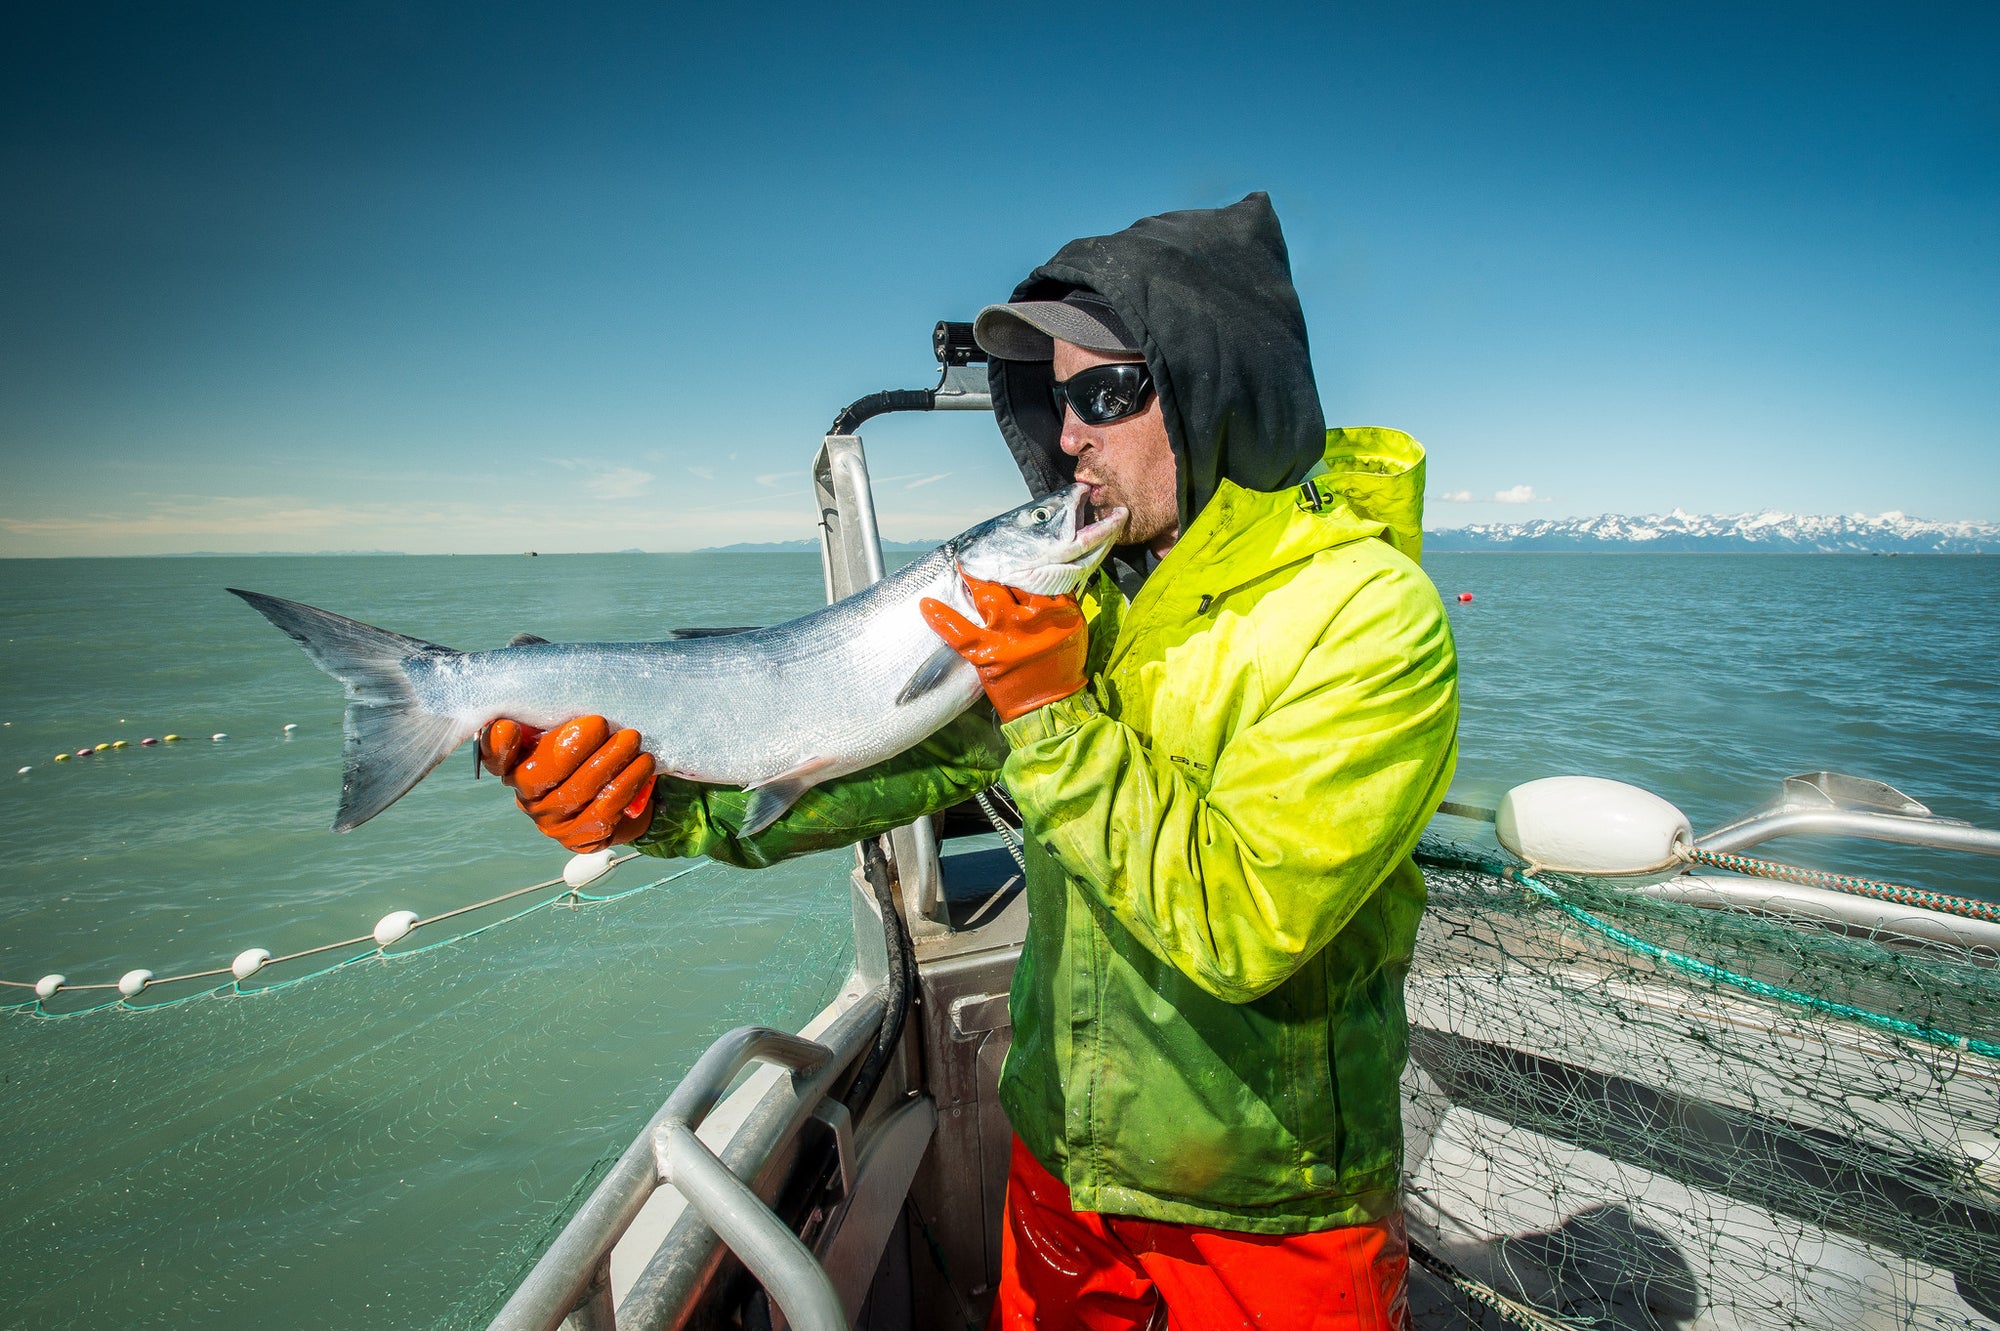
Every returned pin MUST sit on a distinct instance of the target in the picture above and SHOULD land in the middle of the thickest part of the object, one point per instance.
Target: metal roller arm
(1834, 804)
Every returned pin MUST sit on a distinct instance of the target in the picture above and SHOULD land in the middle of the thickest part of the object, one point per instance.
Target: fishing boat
(1655, 1080)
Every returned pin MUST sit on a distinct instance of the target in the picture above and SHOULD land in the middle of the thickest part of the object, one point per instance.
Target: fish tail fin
(391, 742)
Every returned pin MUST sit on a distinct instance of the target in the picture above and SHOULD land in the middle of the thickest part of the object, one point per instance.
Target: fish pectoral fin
(770, 798)
(526, 640)
(933, 672)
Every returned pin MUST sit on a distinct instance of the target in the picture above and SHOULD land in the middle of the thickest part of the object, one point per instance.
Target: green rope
(1710, 971)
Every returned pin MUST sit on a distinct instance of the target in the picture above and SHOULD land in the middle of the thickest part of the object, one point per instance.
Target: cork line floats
(224, 981)
(149, 742)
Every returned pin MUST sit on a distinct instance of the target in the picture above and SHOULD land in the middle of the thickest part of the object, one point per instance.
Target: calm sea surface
(382, 1144)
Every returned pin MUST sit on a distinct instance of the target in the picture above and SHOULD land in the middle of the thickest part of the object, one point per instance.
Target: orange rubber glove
(582, 784)
(1030, 651)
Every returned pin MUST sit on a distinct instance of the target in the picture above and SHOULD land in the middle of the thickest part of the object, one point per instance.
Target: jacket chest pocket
(1185, 709)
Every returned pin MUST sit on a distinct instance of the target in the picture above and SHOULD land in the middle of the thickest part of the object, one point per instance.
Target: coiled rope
(36, 1006)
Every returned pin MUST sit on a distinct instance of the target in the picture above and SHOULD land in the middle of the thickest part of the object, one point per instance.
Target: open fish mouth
(1086, 539)
(1103, 532)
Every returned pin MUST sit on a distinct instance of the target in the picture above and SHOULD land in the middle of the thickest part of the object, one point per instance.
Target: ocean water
(383, 1144)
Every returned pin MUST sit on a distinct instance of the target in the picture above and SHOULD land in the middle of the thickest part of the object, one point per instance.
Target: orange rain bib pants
(1062, 1269)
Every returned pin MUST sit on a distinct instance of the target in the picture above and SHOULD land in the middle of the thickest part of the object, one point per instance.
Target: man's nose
(1075, 435)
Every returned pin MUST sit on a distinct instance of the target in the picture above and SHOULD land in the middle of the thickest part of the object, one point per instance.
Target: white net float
(1588, 825)
(583, 870)
(394, 925)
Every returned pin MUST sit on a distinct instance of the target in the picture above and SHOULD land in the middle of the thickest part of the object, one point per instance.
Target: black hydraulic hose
(902, 966)
(876, 404)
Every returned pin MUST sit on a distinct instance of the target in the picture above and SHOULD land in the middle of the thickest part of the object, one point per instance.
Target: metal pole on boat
(782, 1263)
(563, 1281)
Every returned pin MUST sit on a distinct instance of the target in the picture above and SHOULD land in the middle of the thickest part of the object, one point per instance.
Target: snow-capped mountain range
(1769, 531)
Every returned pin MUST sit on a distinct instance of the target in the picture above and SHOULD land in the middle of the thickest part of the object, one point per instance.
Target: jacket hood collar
(1369, 483)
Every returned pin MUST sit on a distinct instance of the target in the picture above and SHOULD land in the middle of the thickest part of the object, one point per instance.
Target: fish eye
(1040, 514)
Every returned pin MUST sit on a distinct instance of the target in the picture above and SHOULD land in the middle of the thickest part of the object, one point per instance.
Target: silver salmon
(774, 710)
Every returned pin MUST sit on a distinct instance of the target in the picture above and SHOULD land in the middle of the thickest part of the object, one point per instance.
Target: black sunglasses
(1104, 393)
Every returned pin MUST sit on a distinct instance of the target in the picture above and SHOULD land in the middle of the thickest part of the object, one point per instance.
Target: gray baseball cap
(1026, 329)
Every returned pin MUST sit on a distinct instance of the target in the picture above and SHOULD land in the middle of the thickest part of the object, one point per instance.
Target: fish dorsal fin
(526, 640)
(681, 635)
(769, 799)
(933, 672)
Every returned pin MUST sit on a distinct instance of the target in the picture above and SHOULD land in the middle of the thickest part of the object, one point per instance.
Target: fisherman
(1223, 753)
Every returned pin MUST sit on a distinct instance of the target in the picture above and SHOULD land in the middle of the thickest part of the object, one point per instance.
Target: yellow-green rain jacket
(1208, 1013)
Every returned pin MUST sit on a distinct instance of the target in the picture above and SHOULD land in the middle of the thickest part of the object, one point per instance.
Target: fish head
(1044, 546)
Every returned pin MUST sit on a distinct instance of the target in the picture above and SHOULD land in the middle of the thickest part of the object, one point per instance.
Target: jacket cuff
(1053, 720)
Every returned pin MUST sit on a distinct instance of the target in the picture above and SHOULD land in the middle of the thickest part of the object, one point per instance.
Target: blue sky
(494, 277)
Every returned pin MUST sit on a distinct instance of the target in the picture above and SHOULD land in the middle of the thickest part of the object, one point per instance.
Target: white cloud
(1515, 494)
(706, 473)
(926, 480)
(435, 524)
(608, 480)
(180, 516)
(618, 483)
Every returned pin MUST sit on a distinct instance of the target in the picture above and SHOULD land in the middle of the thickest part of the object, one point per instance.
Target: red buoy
(1465, 596)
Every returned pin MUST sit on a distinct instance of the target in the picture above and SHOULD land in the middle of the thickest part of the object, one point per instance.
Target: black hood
(1209, 294)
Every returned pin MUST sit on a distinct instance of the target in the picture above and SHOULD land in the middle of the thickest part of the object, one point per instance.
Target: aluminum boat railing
(573, 1277)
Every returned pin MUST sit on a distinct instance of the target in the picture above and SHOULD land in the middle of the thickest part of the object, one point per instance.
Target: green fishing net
(1629, 1112)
